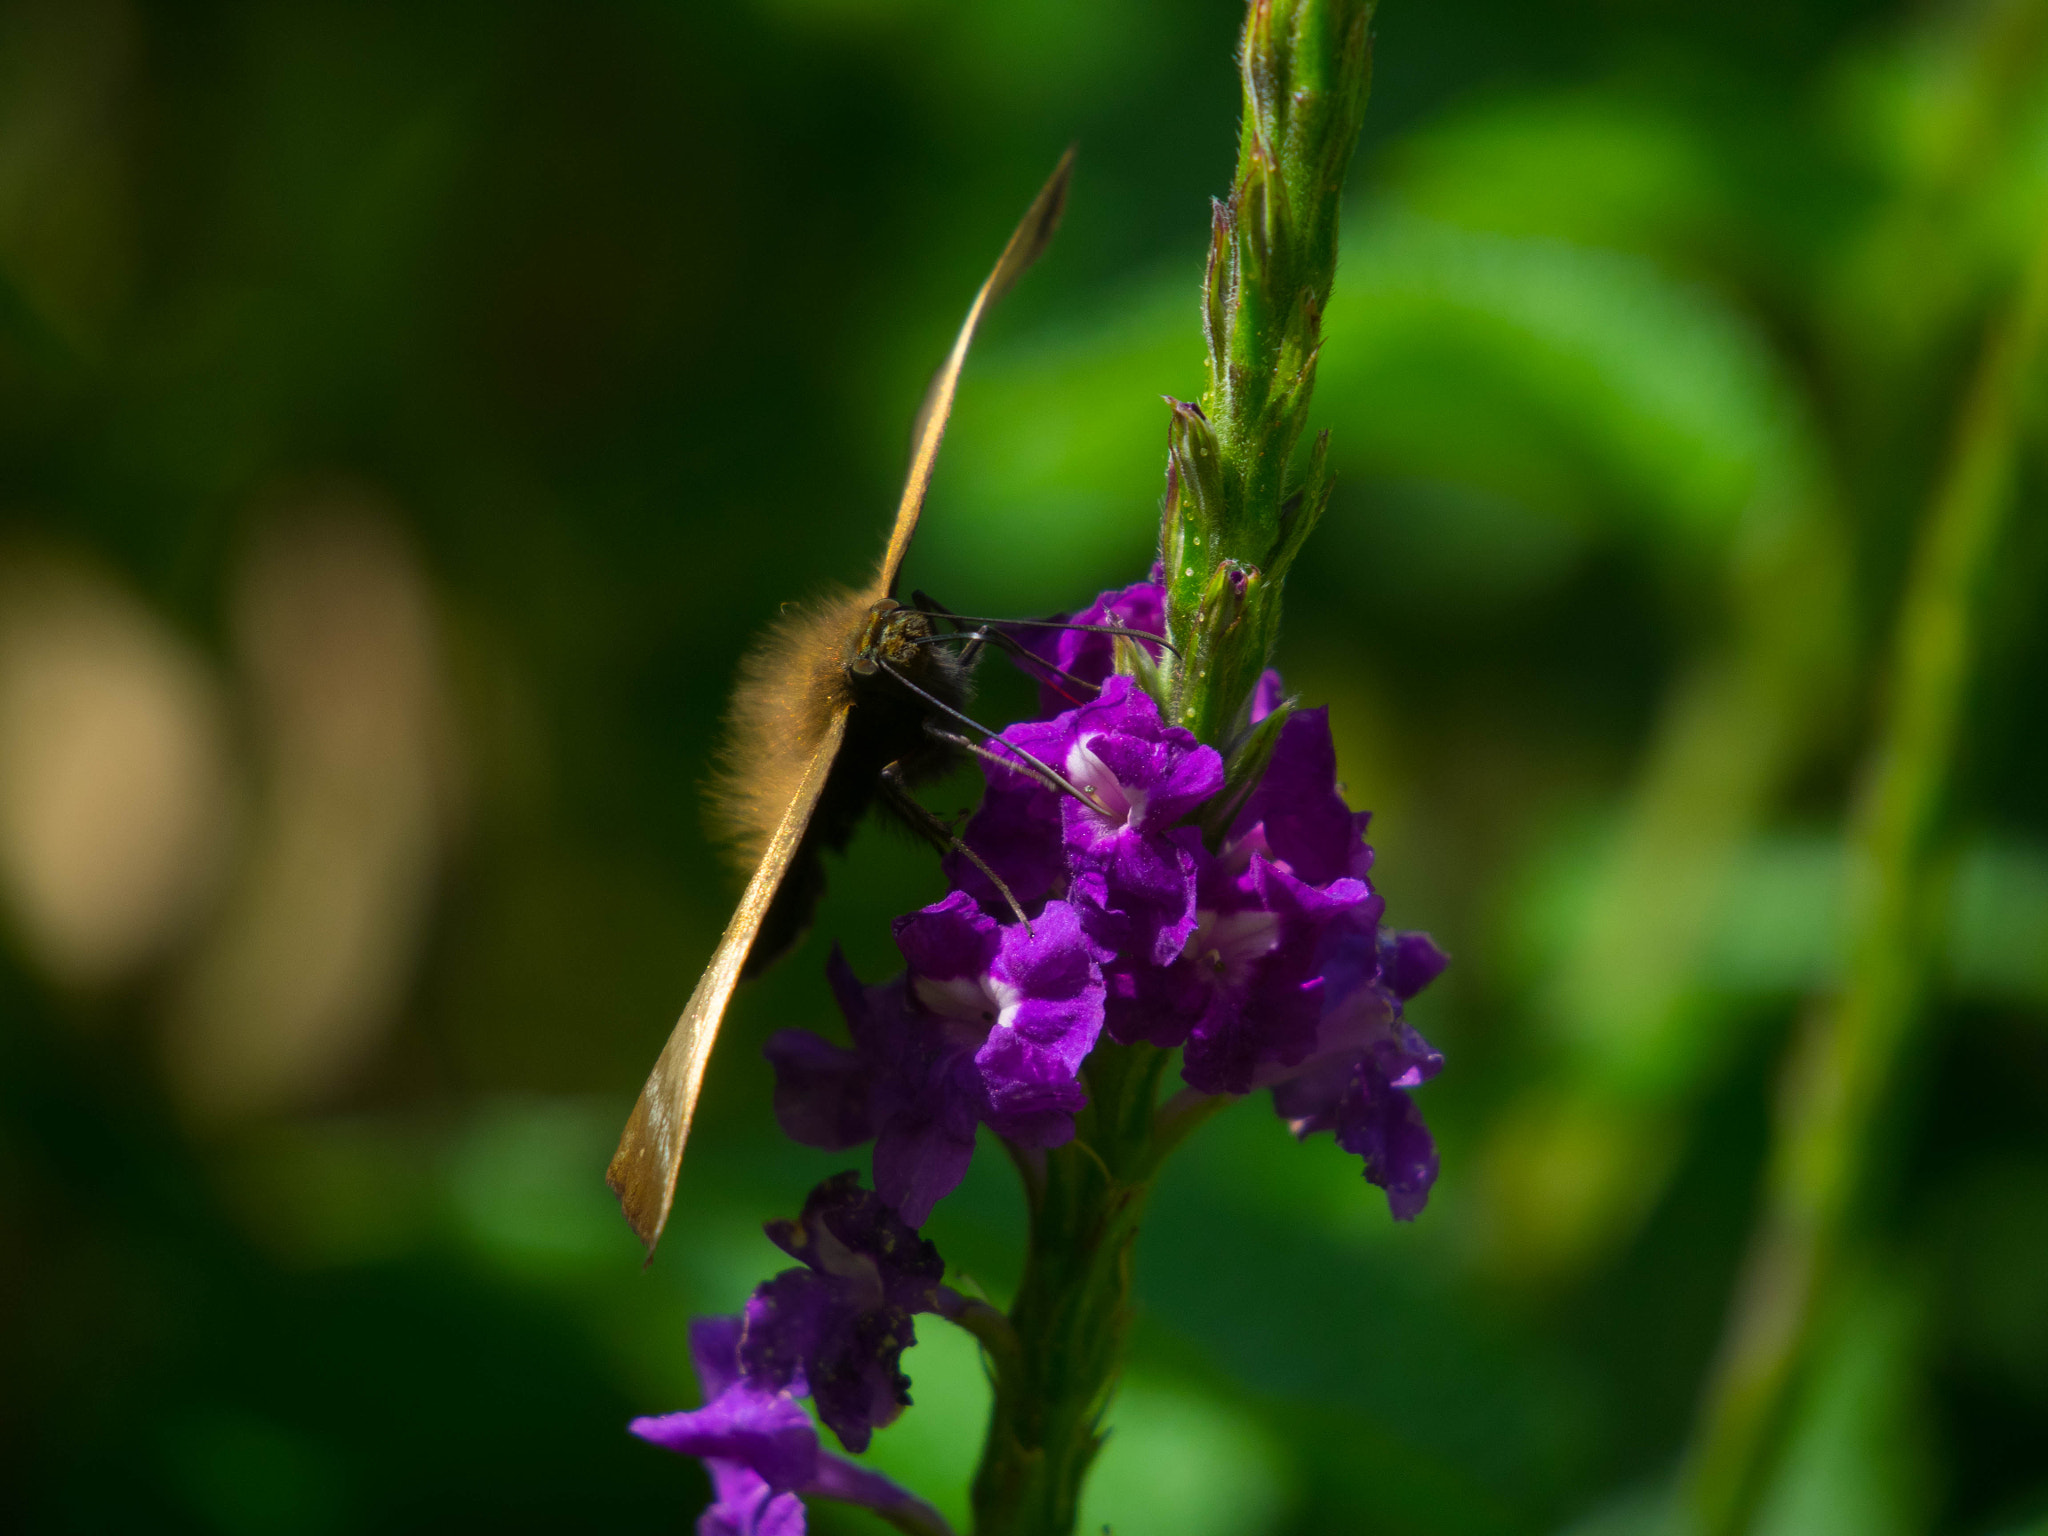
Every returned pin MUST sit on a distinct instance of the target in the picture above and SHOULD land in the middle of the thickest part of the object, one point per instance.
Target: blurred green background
(407, 412)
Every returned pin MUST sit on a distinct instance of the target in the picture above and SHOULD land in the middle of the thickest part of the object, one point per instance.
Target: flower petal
(821, 1091)
(1381, 1124)
(1090, 658)
(851, 1483)
(768, 1433)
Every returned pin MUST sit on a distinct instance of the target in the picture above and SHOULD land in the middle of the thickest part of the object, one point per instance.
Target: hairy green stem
(1236, 512)
(1073, 1309)
(1842, 1062)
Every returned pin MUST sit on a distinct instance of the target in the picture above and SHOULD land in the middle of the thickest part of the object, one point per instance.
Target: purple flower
(838, 1326)
(1246, 992)
(990, 1025)
(761, 1451)
(1089, 657)
(1409, 962)
(758, 1445)
(1266, 695)
(1263, 962)
(823, 1092)
(1026, 1001)
(1296, 814)
(1120, 856)
(1349, 1072)
(1366, 1058)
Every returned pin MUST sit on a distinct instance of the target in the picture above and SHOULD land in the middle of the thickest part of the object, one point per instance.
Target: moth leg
(940, 835)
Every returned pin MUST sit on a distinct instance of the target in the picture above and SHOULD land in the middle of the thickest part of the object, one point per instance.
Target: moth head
(893, 634)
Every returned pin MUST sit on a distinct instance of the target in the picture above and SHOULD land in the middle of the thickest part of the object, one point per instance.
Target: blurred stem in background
(1230, 527)
(1624, 996)
(1582, 1157)
(1843, 1059)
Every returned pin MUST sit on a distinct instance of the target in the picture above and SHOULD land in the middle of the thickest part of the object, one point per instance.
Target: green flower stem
(1842, 1063)
(1180, 1115)
(1073, 1309)
(1234, 519)
(1236, 514)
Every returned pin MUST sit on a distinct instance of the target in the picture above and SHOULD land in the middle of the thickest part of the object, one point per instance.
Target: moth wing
(1027, 243)
(643, 1170)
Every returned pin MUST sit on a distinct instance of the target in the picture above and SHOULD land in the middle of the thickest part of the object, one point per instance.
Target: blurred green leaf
(1596, 167)
(1576, 383)
(248, 1477)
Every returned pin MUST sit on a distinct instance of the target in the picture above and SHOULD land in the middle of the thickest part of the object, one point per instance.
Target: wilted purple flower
(761, 1450)
(907, 1084)
(990, 1025)
(1090, 657)
(920, 1087)
(839, 1325)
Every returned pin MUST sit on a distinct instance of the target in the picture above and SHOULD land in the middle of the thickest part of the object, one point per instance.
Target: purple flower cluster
(1259, 953)
(833, 1330)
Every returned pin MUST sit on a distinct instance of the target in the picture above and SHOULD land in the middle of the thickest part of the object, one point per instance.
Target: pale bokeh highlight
(114, 773)
(291, 993)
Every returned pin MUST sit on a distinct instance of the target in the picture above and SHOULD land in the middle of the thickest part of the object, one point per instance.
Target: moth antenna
(1090, 629)
(925, 603)
(1055, 676)
(1051, 776)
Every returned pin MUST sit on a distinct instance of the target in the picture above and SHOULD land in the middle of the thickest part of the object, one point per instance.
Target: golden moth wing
(1027, 243)
(643, 1170)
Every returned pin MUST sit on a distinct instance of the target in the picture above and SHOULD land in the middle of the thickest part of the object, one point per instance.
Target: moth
(839, 702)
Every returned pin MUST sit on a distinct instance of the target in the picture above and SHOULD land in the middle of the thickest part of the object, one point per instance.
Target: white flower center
(1222, 946)
(980, 1001)
(1120, 806)
(835, 1258)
